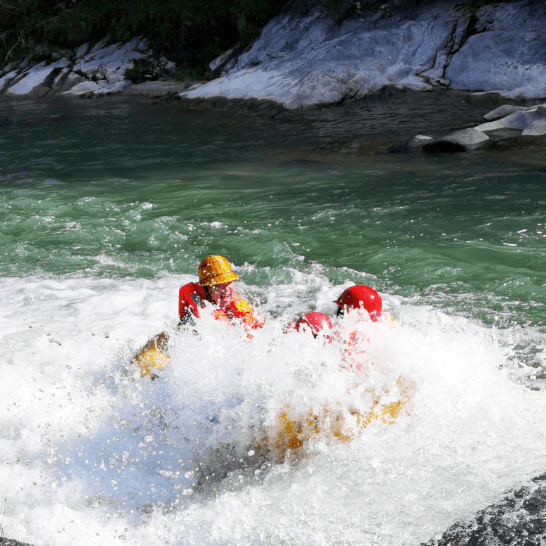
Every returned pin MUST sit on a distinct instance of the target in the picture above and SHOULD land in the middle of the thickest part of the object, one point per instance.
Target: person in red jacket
(363, 298)
(360, 296)
(215, 286)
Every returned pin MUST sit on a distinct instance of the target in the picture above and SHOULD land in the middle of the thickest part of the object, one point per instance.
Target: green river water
(106, 209)
(121, 189)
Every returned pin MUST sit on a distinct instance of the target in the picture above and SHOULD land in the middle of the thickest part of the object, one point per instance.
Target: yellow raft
(153, 356)
(290, 436)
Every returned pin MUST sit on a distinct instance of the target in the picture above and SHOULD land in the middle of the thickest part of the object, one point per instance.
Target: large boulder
(502, 111)
(507, 52)
(38, 80)
(531, 121)
(460, 141)
(305, 58)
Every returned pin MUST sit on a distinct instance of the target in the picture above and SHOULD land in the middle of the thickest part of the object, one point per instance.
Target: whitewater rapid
(89, 452)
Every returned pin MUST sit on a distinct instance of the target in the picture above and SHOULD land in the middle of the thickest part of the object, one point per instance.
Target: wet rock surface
(507, 126)
(519, 519)
(10, 542)
(316, 54)
(305, 56)
(89, 71)
(459, 141)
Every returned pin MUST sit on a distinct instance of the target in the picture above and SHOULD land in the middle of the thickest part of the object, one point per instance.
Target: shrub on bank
(190, 32)
(193, 32)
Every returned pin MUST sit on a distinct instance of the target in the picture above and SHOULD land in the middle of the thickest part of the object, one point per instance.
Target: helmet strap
(209, 297)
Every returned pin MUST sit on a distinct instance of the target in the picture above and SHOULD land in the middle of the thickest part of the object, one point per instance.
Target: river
(106, 209)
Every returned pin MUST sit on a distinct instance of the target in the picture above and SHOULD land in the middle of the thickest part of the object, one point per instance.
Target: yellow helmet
(215, 270)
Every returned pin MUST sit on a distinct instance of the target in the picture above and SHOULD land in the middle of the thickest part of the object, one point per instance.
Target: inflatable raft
(153, 357)
(290, 436)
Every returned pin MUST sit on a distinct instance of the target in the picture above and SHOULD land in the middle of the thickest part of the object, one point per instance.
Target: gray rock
(520, 119)
(36, 80)
(418, 141)
(66, 80)
(90, 88)
(537, 128)
(10, 542)
(82, 51)
(508, 54)
(443, 58)
(109, 63)
(519, 519)
(503, 111)
(7, 79)
(459, 141)
(222, 59)
(303, 59)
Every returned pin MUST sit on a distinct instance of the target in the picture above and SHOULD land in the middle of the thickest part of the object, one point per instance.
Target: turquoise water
(122, 190)
(107, 207)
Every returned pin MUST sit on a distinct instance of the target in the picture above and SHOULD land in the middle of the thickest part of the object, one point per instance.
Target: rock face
(309, 55)
(517, 520)
(99, 70)
(304, 57)
(506, 53)
(505, 123)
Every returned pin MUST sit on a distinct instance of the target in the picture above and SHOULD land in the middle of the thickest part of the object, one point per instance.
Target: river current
(106, 209)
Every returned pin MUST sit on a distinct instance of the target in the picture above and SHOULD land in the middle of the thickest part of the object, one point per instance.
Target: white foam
(90, 452)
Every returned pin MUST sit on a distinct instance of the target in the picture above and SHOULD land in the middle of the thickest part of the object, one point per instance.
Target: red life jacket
(354, 344)
(193, 296)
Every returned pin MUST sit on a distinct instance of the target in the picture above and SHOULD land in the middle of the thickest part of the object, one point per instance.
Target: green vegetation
(192, 31)
(477, 4)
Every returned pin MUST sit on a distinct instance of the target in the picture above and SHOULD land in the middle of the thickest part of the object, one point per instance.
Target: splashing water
(101, 232)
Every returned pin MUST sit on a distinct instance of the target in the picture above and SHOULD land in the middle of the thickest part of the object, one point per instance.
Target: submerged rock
(459, 141)
(418, 141)
(517, 520)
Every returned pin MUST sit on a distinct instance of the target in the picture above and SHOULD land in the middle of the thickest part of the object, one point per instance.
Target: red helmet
(316, 321)
(362, 296)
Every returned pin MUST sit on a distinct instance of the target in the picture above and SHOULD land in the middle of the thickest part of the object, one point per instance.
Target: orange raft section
(154, 356)
(290, 437)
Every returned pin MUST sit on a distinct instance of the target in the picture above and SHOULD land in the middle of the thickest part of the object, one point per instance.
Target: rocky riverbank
(309, 58)
(306, 56)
